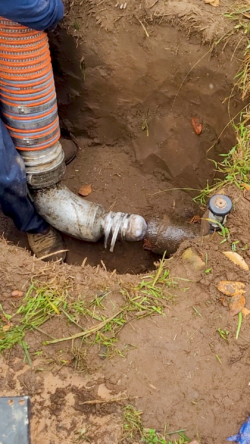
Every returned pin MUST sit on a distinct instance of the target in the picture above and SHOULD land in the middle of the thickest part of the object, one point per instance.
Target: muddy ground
(175, 368)
(127, 100)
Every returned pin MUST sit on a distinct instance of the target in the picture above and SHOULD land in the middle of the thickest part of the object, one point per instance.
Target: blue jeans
(14, 198)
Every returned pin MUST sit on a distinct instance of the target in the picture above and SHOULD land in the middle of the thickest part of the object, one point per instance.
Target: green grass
(12, 337)
(39, 305)
(197, 312)
(42, 303)
(147, 299)
(132, 425)
(239, 325)
(134, 432)
(150, 436)
(242, 24)
(223, 333)
(235, 165)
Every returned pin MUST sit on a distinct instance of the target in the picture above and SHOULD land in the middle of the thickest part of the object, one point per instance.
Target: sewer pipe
(29, 109)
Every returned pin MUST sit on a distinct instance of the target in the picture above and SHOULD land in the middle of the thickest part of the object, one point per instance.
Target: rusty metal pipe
(167, 234)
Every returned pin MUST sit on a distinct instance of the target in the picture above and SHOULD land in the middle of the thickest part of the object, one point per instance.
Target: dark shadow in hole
(69, 79)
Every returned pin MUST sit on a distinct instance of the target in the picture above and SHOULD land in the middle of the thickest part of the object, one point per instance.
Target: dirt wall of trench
(118, 87)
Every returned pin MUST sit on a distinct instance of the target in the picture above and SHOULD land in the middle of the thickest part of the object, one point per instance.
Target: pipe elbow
(86, 220)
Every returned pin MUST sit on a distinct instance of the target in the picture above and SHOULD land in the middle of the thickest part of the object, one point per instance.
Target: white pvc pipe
(86, 220)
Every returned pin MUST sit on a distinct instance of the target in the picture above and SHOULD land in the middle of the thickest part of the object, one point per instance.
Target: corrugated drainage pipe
(29, 110)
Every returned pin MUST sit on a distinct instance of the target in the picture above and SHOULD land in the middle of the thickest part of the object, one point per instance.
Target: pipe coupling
(44, 168)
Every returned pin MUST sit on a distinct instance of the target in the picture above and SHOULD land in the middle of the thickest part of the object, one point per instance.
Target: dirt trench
(129, 100)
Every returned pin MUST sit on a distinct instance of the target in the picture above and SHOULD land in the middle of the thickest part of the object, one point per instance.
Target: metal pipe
(166, 234)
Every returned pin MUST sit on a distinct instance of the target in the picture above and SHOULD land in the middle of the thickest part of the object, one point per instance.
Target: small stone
(193, 259)
(17, 294)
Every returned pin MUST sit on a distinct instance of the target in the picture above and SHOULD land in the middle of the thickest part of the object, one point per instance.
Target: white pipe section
(86, 220)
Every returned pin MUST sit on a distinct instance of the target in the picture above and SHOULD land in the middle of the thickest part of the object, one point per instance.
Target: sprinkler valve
(219, 206)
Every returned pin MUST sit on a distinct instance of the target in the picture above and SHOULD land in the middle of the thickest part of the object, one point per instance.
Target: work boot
(43, 245)
(69, 148)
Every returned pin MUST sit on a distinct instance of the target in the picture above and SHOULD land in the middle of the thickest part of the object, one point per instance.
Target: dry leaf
(246, 186)
(195, 220)
(237, 304)
(85, 190)
(197, 125)
(236, 259)
(6, 327)
(213, 2)
(17, 294)
(245, 312)
(231, 288)
(223, 301)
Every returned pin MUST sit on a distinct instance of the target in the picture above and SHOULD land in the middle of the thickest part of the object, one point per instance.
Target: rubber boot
(69, 148)
(48, 245)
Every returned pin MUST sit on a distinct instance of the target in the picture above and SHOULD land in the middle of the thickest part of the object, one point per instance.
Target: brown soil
(170, 370)
(128, 99)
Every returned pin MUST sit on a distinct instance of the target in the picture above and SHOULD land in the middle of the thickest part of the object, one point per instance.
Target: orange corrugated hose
(27, 90)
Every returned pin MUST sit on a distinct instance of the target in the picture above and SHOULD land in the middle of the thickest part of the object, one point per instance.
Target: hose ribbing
(27, 90)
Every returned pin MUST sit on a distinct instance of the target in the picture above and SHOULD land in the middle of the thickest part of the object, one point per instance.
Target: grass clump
(12, 337)
(241, 16)
(133, 431)
(235, 165)
(102, 317)
(146, 299)
(39, 305)
(157, 286)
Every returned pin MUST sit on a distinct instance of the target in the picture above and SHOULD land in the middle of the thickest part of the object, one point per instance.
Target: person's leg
(16, 204)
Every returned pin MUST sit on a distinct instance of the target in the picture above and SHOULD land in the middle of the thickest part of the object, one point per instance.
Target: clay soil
(127, 100)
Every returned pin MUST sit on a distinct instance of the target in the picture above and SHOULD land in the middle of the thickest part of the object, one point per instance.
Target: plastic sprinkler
(219, 207)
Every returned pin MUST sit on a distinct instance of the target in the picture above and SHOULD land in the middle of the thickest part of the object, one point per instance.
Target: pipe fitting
(86, 220)
(44, 168)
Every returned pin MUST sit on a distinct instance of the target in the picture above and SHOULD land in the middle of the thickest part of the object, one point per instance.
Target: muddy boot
(43, 245)
(69, 148)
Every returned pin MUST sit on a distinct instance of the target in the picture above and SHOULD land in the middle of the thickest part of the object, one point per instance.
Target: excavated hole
(132, 121)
